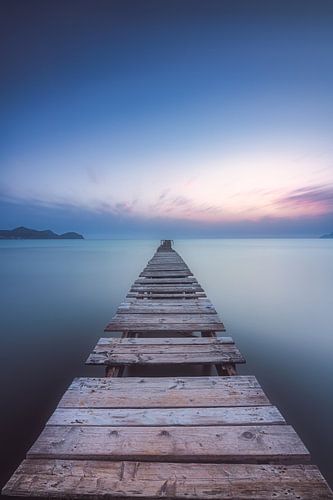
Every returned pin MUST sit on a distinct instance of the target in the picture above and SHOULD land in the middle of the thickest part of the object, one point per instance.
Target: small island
(326, 236)
(24, 233)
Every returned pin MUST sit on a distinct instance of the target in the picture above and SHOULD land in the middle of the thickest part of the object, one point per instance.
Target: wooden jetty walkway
(213, 436)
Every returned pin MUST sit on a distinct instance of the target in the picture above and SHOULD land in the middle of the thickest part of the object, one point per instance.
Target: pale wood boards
(166, 261)
(166, 267)
(188, 319)
(166, 274)
(166, 258)
(100, 479)
(150, 292)
(166, 277)
(242, 444)
(165, 281)
(147, 417)
(164, 392)
(164, 341)
(228, 355)
(178, 301)
(141, 307)
(160, 326)
(168, 296)
(189, 351)
(139, 314)
(166, 288)
(199, 301)
(155, 307)
(165, 322)
(169, 319)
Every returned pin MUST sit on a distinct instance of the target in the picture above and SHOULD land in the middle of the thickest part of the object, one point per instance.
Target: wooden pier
(213, 436)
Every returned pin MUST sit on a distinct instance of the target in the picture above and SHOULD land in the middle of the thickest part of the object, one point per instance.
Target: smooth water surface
(275, 297)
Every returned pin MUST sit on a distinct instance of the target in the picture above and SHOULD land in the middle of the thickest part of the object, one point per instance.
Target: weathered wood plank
(194, 350)
(167, 263)
(199, 357)
(153, 307)
(167, 266)
(170, 318)
(166, 288)
(78, 479)
(243, 444)
(253, 415)
(195, 301)
(189, 351)
(170, 269)
(171, 256)
(164, 392)
(204, 350)
(165, 322)
(163, 296)
(166, 274)
(167, 260)
(165, 291)
(158, 268)
(108, 342)
(165, 281)
(164, 327)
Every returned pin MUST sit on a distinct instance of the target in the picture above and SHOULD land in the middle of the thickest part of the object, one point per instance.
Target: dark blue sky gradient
(105, 86)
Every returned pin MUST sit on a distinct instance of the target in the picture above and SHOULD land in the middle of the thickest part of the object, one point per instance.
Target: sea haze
(275, 297)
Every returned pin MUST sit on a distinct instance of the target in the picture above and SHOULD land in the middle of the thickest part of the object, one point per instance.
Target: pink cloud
(310, 199)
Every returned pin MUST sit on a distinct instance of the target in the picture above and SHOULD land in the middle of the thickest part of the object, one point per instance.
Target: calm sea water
(275, 297)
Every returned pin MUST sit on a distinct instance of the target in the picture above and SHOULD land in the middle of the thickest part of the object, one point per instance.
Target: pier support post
(118, 371)
(226, 370)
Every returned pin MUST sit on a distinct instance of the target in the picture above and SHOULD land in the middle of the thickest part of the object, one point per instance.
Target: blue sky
(167, 118)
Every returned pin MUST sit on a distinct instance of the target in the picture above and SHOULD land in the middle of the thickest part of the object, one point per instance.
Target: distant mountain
(23, 233)
(330, 235)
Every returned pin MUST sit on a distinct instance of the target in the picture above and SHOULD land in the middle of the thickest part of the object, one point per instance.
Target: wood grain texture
(160, 296)
(142, 307)
(166, 281)
(166, 274)
(197, 300)
(164, 341)
(147, 417)
(242, 444)
(163, 266)
(164, 392)
(100, 479)
(167, 318)
(166, 328)
(132, 359)
(165, 322)
(213, 351)
(192, 288)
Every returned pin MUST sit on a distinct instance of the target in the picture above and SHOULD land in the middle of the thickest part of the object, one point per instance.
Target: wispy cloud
(252, 207)
(178, 206)
(310, 199)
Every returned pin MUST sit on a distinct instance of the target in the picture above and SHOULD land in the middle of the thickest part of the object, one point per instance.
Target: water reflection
(275, 297)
